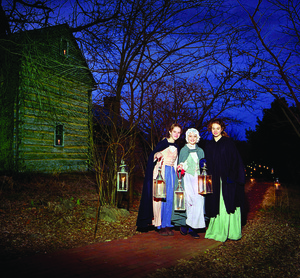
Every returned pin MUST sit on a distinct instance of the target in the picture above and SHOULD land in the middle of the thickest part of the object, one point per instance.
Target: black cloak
(225, 162)
(145, 214)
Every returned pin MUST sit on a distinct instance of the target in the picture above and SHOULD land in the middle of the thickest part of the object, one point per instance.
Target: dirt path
(133, 257)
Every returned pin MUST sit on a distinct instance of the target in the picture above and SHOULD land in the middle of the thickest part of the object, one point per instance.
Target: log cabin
(45, 103)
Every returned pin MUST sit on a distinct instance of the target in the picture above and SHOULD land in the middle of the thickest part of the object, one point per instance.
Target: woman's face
(216, 130)
(175, 133)
(192, 138)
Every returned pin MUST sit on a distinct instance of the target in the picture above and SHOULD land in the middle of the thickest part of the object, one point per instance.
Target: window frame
(59, 132)
(64, 47)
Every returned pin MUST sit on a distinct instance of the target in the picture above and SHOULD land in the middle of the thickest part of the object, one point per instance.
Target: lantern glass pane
(122, 181)
(205, 184)
(159, 189)
(277, 184)
(179, 201)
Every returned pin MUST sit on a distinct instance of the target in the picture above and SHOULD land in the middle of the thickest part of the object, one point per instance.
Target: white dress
(194, 201)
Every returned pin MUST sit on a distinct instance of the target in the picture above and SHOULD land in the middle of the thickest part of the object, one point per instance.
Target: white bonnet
(192, 130)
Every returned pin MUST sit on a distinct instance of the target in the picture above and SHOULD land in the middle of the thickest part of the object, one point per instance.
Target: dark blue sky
(248, 116)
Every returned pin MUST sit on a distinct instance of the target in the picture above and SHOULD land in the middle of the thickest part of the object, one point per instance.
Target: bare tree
(18, 15)
(147, 42)
(159, 59)
(266, 54)
(195, 105)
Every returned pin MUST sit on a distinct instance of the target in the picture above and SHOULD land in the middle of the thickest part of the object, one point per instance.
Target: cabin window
(59, 135)
(64, 47)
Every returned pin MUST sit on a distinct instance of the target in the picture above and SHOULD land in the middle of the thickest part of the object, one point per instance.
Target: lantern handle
(179, 174)
(160, 161)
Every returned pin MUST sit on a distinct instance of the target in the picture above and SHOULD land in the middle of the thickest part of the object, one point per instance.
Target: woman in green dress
(225, 207)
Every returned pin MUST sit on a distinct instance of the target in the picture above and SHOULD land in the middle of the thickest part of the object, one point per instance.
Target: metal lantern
(122, 178)
(277, 184)
(159, 189)
(179, 196)
(204, 182)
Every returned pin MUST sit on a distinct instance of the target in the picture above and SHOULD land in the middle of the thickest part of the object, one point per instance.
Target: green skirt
(225, 226)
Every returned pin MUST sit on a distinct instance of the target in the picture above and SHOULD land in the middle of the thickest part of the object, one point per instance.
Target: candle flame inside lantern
(123, 182)
(180, 201)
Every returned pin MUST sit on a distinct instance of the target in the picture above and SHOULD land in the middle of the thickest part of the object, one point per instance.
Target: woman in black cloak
(225, 206)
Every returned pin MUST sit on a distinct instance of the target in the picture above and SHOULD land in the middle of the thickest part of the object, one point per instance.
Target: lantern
(159, 189)
(204, 182)
(122, 178)
(277, 184)
(179, 196)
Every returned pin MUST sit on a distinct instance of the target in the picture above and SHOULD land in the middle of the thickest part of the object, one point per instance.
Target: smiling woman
(225, 206)
(189, 161)
(158, 211)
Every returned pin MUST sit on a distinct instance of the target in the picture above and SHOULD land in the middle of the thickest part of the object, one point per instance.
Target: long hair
(219, 122)
(172, 127)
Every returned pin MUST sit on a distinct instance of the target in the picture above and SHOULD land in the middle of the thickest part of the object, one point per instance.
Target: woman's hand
(179, 167)
(158, 156)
